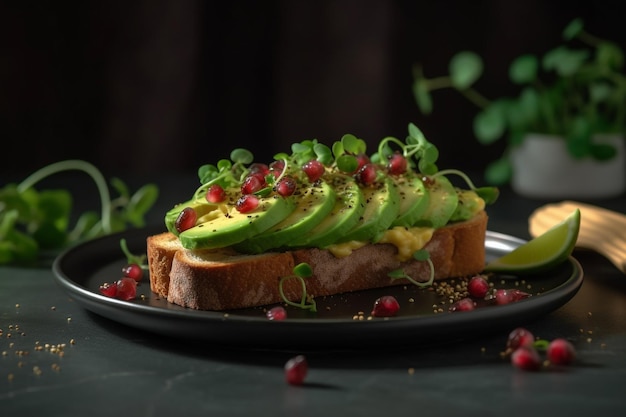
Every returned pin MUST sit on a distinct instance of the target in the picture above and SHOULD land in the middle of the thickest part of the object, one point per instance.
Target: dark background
(165, 86)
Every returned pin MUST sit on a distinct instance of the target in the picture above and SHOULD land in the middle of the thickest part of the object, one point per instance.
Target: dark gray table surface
(59, 359)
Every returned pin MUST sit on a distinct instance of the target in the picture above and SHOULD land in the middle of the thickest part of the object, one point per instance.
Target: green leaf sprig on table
(32, 221)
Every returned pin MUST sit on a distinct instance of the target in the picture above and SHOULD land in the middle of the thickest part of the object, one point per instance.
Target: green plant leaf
(564, 61)
(499, 172)
(523, 69)
(527, 109)
(573, 29)
(579, 137)
(422, 96)
(489, 124)
(610, 55)
(465, 68)
(600, 92)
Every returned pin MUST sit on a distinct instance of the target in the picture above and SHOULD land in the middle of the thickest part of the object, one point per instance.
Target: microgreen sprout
(489, 194)
(421, 255)
(131, 258)
(226, 172)
(32, 220)
(300, 272)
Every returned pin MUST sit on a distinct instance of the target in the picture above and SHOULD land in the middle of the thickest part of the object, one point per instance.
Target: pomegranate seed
(314, 170)
(506, 296)
(362, 159)
(385, 306)
(478, 287)
(296, 369)
(397, 164)
(247, 203)
(253, 183)
(108, 290)
(286, 186)
(277, 313)
(258, 168)
(277, 168)
(126, 289)
(186, 219)
(464, 304)
(520, 337)
(367, 174)
(561, 352)
(133, 271)
(215, 194)
(526, 358)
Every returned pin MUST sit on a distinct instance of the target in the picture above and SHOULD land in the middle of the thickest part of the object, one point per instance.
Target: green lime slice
(543, 252)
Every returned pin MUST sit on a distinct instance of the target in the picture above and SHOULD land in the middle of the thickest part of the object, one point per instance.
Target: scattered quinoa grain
(411, 371)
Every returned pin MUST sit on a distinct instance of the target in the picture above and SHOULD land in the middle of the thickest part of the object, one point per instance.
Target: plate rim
(221, 322)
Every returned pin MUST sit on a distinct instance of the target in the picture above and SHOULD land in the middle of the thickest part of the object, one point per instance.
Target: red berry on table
(215, 194)
(296, 369)
(108, 290)
(464, 304)
(286, 186)
(276, 313)
(126, 289)
(520, 337)
(133, 271)
(247, 203)
(526, 358)
(186, 219)
(561, 352)
(385, 306)
(314, 170)
(397, 164)
(506, 296)
(478, 287)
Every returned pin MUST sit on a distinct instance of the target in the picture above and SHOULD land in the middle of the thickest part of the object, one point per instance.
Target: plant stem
(79, 165)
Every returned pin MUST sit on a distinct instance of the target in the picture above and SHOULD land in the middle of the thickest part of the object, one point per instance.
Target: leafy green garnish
(300, 272)
(32, 220)
(421, 255)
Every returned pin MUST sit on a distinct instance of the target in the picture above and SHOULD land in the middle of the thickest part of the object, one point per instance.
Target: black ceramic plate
(341, 321)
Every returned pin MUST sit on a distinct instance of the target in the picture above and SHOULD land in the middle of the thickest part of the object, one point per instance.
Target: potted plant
(573, 99)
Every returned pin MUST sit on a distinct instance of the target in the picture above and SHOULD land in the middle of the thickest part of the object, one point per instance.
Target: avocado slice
(414, 199)
(348, 208)
(313, 205)
(202, 208)
(443, 201)
(382, 203)
(232, 227)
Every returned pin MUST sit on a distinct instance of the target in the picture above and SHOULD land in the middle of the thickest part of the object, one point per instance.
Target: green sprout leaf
(524, 69)
(573, 29)
(422, 96)
(465, 68)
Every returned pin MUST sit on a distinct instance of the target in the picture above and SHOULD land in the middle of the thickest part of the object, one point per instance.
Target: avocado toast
(352, 217)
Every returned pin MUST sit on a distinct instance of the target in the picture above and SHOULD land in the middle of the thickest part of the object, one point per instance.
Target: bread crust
(224, 280)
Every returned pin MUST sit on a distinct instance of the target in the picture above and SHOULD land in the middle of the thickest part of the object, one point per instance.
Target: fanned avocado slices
(443, 201)
(413, 198)
(313, 205)
(348, 208)
(381, 208)
(232, 227)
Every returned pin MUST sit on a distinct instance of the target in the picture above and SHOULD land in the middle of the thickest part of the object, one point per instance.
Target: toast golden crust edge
(225, 281)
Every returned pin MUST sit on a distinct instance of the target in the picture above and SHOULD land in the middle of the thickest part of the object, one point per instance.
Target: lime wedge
(543, 252)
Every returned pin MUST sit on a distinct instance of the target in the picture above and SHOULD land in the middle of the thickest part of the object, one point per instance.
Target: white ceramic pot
(542, 168)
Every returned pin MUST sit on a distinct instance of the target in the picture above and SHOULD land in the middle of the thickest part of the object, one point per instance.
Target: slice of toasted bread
(223, 280)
